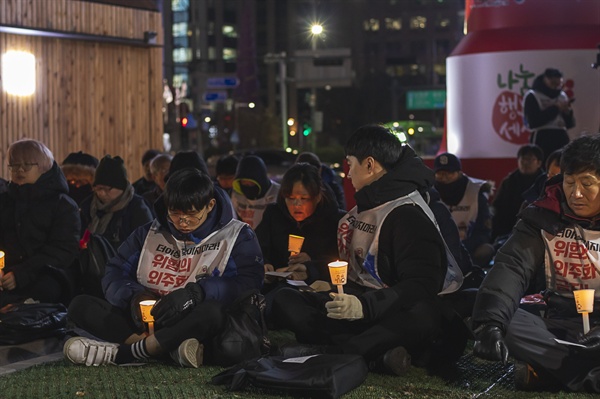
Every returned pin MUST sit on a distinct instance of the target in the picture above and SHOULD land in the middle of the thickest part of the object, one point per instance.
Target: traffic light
(184, 121)
(307, 129)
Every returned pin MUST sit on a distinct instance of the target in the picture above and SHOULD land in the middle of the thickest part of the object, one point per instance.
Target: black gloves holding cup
(175, 305)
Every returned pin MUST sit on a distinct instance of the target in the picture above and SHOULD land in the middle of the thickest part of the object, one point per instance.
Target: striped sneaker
(80, 350)
(190, 353)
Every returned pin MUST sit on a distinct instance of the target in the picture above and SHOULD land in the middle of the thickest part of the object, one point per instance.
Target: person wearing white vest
(252, 190)
(547, 112)
(466, 199)
(194, 258)
(390, 310)
(559, 233)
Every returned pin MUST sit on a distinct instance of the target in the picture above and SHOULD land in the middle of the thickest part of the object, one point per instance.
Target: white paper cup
(295, 244)
(146, 307)
(339, 272)
(584, 300)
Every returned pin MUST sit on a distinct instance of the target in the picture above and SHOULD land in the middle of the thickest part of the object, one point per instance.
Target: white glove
(344, 306)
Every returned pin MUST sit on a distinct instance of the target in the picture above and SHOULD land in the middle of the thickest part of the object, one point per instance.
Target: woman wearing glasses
(39, 227)
(194, 257)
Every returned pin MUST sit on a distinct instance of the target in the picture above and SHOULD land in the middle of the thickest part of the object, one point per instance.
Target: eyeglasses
(297, 201)
(26, 167)
(187, 220)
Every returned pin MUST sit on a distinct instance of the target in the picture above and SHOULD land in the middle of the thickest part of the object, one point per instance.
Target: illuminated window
(180, 29)
(18, 73)
(393, 23)
(371, 24)
(229, 54)
(180, 5)
(183, 54)
(229, 31)
(443, 23)
(418, 22)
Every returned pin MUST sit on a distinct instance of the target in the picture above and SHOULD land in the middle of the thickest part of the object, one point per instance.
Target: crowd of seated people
(418, 275)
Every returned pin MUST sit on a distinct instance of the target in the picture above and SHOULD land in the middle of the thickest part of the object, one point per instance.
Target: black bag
(320, 376)
(245, 335)
(92, 263)
(25, 322)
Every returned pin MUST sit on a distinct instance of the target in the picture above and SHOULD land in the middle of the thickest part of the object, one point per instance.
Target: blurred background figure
(509, 198)
(552, 169)
(328, 176)
(79, 169)
(225, 172)
(145, 183)
(467, 201)
(39, 228)
(159, 168)
(252, 190)
(114, 211)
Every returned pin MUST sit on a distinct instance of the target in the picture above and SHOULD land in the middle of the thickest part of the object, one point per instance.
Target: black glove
(591, 340)
(175, 305)
(490, 344)
(136, 313)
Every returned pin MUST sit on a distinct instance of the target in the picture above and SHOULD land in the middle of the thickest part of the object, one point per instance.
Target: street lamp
(316, 30)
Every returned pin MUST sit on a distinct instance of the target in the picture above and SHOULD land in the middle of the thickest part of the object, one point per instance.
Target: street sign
(217, 96)
(222, 82)
(426, 99)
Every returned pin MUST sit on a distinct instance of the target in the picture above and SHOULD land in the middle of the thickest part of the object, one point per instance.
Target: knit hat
(148, 155)
(448, 162)
(187, 159)
(227, 165)
(81, 158)
(111, 172)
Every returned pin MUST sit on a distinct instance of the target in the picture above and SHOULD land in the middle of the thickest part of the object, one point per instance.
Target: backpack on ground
(26, 322)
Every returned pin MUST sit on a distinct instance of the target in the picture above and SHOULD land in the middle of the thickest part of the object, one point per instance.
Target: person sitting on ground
(114, 211)
(252, 190)
(159, 167)
(225, 172)
(79, 169)
(465, 198)
(559, 233)
(194, 258)
(552, 169)
(508, 200)
(302, 209)
(145, 183)
(327, 175)
(390, 309)
(39, 228)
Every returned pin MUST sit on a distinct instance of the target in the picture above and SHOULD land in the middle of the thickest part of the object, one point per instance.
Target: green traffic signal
(307, 129)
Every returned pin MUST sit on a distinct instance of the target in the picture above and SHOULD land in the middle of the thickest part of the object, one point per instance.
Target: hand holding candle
(338, 271)
(1, 260)
(145, 308)
(584, 300)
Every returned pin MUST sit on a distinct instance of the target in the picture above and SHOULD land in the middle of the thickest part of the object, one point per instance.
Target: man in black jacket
(389, 310)
(559, 232)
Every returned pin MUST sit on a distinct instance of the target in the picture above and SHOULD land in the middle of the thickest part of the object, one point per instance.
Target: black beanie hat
(187, 159)
(111, 172)
(80, 158)
(148, 155)
(227, 165)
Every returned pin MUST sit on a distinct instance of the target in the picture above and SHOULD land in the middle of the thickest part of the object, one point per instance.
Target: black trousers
(46, 287)
(549, 140)
(304, 313)
(110, 323)
(530, 338)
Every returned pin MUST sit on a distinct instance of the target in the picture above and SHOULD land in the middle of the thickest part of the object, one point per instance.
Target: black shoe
(299, 350)
(527, 379)
(396, 361)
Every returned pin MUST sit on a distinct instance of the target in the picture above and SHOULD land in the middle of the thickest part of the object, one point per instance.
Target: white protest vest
(572, 261)
(544, 102)
(167, 263)
(251, 211)
(465, 212)
(358, 243)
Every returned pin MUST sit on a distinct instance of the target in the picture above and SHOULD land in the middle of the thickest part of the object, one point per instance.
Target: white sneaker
(80, 350)
(190, 353)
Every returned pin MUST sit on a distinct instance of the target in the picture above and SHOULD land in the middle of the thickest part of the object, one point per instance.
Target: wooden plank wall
(99, 97)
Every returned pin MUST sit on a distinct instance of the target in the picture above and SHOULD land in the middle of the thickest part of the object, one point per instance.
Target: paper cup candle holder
(584, 300)
(295, 244)
(145, 308)
(338, 271)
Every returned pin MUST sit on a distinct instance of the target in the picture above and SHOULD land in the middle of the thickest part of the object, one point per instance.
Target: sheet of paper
(298, 359)
(279, 274)
(297, 283)
(560, 341)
